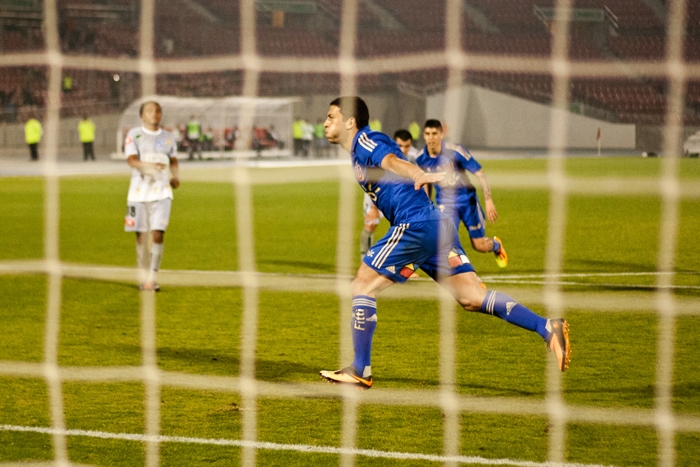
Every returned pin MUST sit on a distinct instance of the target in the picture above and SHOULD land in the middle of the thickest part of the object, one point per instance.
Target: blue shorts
(432, 246)
(470, 214)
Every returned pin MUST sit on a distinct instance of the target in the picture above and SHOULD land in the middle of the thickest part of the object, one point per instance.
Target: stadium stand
(212, 28)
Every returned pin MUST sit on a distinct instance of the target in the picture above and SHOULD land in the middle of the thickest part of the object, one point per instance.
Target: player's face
(405, 145)
(151, 116)
(335, 128)
(433, 139)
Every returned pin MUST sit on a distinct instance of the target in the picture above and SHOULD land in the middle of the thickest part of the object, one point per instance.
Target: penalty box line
(305, 448)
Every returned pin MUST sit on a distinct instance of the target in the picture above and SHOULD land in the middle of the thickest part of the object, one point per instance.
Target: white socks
(156, 259)
(149, 261)
(143, 259)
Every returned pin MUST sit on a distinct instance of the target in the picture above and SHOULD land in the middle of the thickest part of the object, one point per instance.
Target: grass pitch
(611, 252)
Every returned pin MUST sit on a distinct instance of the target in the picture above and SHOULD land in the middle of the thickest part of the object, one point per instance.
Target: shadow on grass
(315, 267)
(199, 357)
(207, 361)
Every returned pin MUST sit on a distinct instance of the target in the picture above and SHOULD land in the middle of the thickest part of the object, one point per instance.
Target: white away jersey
(150, 146)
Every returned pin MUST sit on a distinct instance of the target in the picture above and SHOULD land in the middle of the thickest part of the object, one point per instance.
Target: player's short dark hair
(354, 107)
(433, 123)
(403, 135)
(143, 106)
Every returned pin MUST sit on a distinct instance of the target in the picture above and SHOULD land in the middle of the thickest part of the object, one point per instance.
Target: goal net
(626, 70)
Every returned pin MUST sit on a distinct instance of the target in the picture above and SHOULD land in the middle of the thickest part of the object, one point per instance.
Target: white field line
(306, 448)
(233, 278)
(591, 284)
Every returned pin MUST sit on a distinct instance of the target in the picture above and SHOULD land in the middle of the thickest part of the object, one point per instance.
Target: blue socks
(496, 246)
(509, 310)
(362, 324)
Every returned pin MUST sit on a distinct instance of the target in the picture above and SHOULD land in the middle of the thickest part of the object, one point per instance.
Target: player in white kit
(151, 152)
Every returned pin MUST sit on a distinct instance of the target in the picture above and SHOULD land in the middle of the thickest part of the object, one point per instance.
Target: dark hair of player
(354, 107)
(403, 135)
(143, 106)
(433, 123)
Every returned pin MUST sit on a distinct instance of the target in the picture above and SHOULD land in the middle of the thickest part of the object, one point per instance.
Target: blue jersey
(395, 196)
(455, 160)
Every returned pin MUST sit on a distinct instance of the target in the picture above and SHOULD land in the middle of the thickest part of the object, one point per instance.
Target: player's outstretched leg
(363, 324)
(467, 290)
(554, 331)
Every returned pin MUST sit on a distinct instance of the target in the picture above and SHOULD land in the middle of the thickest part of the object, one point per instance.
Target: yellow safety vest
(86, 129)
(298, 129)
(32, 131)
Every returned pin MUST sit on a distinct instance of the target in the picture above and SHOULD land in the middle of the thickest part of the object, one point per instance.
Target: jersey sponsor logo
(156, 157)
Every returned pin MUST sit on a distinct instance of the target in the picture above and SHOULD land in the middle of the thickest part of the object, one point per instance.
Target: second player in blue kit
(455, 194)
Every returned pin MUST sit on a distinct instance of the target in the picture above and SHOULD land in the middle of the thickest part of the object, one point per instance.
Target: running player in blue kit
(455, 195)
(420, 237)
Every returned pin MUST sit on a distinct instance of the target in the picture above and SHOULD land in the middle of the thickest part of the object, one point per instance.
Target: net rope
(672, 191)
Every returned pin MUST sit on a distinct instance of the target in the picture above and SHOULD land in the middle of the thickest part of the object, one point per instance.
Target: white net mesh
(233, 60)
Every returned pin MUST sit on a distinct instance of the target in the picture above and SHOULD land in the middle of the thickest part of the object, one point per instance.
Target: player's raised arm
(491, 213)
(406, 169)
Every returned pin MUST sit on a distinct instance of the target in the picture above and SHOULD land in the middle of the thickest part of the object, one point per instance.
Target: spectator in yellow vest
(67, 84)
(298, 135)
(86, 130)
(194, 132)
(32, 135)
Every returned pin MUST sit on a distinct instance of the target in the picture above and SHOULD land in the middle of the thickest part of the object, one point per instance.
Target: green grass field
(198, 328)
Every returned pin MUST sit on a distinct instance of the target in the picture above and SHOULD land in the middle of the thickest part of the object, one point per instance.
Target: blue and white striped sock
(509, 310)
(363, 323)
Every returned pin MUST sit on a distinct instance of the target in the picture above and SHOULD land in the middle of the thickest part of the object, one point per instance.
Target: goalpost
(561, 186)
(221, 118)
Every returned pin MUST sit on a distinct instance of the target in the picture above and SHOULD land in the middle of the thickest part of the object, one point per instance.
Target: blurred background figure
(32, 135)
(194, 131)
(298, 135)
(86, 131)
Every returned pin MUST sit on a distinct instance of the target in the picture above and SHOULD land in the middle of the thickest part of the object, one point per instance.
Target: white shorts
(145, 217)
(369, 204)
